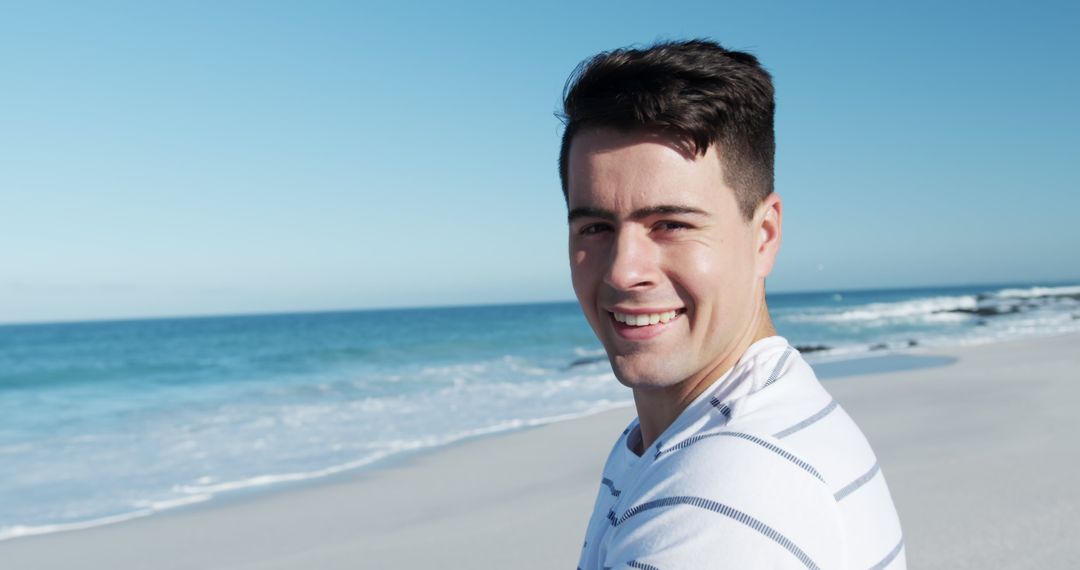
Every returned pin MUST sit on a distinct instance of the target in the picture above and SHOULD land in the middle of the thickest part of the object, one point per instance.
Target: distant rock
(879, 346)
(811, 348)
(912, 342)
(986, 311)
(586, 361)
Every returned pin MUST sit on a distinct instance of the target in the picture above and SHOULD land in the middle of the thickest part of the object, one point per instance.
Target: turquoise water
(104, 421)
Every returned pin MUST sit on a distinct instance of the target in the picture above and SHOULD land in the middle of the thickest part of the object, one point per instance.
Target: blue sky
(178, 158)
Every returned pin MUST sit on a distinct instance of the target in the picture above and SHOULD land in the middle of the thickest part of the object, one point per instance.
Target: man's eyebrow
(640, 214)
(590, 213)
(664, 210)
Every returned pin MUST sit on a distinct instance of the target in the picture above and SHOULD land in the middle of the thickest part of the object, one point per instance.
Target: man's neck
(658, 409)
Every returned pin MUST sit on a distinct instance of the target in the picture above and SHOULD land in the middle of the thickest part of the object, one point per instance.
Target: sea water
(106, 421)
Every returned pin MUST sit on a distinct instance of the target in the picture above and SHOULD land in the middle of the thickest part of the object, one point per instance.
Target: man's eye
(592, 229)
(672, 226)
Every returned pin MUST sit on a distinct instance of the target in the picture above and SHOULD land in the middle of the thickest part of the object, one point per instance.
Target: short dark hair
(695, 92)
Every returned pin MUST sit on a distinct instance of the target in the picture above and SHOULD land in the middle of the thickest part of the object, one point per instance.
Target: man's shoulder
(730, 455)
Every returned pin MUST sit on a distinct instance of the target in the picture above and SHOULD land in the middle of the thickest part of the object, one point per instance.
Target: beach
(977, 454)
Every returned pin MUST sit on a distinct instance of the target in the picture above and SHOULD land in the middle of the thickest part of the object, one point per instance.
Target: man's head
(666, 165)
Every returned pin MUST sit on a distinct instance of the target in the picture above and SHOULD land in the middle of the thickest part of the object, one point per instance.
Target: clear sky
(179, 158)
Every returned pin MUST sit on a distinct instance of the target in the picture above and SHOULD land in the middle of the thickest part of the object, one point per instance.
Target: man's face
(657, 237)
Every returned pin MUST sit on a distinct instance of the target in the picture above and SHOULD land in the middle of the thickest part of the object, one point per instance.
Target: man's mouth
(646, 319)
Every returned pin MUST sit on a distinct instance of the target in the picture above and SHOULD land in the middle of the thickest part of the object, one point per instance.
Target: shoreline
(336, 475)
(539, 482)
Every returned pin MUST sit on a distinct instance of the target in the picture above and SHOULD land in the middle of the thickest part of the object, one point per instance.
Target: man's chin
(643, 377)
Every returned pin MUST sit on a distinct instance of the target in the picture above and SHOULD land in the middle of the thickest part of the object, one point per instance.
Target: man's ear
(768, 220)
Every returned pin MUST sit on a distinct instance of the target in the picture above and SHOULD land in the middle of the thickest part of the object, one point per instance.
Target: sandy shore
(979, 455)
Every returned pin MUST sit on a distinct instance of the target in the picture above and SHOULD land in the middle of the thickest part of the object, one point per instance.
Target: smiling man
(738, 458)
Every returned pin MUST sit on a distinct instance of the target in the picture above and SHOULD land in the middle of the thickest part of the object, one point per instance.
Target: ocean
(107, 421)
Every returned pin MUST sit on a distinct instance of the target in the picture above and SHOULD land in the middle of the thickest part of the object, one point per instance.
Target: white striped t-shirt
(762, 470)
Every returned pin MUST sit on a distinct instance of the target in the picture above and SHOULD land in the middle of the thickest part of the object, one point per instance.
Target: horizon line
(288, 312)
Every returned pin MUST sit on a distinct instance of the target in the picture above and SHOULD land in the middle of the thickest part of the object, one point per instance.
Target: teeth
(643, 320)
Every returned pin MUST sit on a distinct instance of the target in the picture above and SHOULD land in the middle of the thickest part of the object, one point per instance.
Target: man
(738, 457)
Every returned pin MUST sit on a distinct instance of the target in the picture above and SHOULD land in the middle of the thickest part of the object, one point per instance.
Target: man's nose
(633, 261)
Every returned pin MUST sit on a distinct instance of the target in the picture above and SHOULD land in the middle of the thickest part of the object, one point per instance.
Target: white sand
(979, 456)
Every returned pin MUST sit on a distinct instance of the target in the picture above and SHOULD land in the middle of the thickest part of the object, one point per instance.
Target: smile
(640, 327)
(644, 319)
